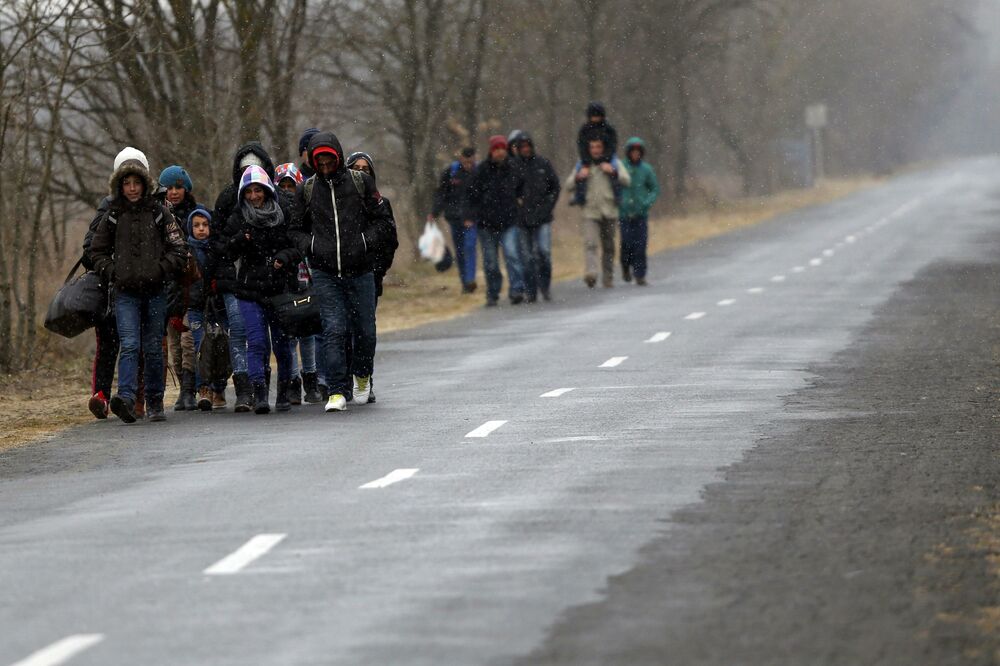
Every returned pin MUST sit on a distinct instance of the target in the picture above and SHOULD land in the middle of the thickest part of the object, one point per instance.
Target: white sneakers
(336, 403)
(362, 390)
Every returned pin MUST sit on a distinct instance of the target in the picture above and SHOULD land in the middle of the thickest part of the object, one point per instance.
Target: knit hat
(468, 151)
(198, 210)
(497, 141)
(131, 154)
(255, 175)
(288, 170)
(250, 159)
(596, 109)
(177, 176)
(306, 136)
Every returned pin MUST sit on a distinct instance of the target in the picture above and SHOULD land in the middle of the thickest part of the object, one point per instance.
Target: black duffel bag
(214, 362)
(298, 313)
(78, 305)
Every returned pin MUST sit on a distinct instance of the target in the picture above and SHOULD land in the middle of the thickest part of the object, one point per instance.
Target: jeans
(263, 333)
(307, 349)
(196, 322)
(465, 250)
(635, 237)
(492, 241)
(347, 309)
(536, 253)
(140, 329)
(237, 334)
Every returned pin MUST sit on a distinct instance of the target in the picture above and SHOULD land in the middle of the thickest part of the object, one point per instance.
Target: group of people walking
(507, 203)
(185, 279)
(178, 271)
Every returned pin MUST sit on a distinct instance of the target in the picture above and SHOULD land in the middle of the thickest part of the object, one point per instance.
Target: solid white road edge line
(557, 393)
(61, 651)
(659, 337)
(613, 362)
(395, 476)
(695, 315)
(485, 429)
(245, 554)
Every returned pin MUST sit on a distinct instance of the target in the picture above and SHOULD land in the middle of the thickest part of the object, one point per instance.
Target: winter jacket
(384, 254)
(257, 278)
(541, 190)
(640, 195)
(176, 293)
(450, 197)
(338, 228)
(88, 238)
(495, 195)
(138, 247)
(590, 131)
(600, 196)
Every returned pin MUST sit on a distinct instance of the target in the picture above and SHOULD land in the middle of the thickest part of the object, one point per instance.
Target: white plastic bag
(431, 244)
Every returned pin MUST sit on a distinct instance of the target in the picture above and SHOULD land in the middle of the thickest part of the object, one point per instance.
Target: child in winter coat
(138, 247)
(597, 128)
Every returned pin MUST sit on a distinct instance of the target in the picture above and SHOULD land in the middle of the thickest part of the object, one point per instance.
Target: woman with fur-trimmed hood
(137, 248)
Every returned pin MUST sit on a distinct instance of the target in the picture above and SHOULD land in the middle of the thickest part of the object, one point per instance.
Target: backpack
(359, 185)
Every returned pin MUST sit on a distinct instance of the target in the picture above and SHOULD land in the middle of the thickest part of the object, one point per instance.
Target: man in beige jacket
(603, 180)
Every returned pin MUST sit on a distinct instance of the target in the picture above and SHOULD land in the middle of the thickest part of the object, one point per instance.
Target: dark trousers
(635, 238)
(105, 357)
(347, 309)
(536, 259)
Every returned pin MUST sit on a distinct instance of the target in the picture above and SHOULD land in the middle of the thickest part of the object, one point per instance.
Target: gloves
(287, 258)
(177, 323)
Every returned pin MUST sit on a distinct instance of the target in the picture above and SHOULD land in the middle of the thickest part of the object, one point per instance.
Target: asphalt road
(564, 532)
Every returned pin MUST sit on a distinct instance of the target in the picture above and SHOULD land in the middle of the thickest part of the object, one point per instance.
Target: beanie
(176, 175)
(596, 109)
(306, 136)
(131, 154)
(497, 141)
(251, 159)
(255, 175)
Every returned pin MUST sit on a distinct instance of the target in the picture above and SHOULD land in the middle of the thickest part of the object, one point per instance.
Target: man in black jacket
(340, 223)
(450, 198)
(495, 205)
(541, 191)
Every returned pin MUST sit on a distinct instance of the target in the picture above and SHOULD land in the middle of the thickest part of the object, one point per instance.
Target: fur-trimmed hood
(128, 166)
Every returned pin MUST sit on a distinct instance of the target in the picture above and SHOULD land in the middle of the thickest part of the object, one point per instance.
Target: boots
(244, 397)
(187, 391)
(154, 408)
(205, 399)
(123, 408)
(260, 399)
(310, 383)
(294, 391)
(282, 402)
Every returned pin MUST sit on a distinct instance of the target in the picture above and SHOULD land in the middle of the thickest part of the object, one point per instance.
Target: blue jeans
(237, 334)
(536, 253)
(140, 320)
(465, 250)
(307, 349)
(347, 308)
(263, 332)
(196, 322)
(635, 238)
(492, 241)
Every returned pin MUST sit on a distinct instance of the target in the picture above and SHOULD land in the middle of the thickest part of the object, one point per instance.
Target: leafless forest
(713, 86)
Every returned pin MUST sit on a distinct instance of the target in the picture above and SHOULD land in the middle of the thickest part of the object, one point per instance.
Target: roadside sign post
(816, 120)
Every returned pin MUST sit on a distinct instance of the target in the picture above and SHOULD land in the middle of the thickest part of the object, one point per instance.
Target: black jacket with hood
(226, 202)
(137, 246)
(495, 194)
(451, 193)
(384, 254)
(541, 188)
(338, 228)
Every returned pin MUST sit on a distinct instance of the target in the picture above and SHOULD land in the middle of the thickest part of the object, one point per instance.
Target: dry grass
(40, 403)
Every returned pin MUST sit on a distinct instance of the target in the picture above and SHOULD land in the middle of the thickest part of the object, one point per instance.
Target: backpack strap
(307, 188)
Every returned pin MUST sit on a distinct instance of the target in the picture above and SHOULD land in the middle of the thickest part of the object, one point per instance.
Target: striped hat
(255, 175)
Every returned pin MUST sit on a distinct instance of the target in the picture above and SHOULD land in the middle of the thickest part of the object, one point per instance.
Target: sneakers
(362, 390)
(219, 399)
(154, 409)
(98, 405)
(205, 399)
(123, 408)
(336, 403)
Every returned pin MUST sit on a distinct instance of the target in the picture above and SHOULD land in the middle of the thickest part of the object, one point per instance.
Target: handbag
(79, 304)
(298, 313)
(214, 361)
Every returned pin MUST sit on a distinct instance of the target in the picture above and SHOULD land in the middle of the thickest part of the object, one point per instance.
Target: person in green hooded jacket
(633, 211)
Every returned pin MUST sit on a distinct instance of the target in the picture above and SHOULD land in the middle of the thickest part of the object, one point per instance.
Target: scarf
(267, 216)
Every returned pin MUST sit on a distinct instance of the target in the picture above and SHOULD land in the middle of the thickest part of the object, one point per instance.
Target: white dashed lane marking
(395, 476)
(778, 278)
(485, 429)
(816, 262)
(799, 269)
(614, 362)
(755, 290)
(659, 337)
(695, 315)
(61, 651)
(558, 393)
(252, 550)
(726, 302)
(827, 252)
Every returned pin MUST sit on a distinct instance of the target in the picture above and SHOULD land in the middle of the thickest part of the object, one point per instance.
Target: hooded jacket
(495, 194)
(384, 254)
(541, 186)
(226, 202)
(137, 246)
(338, 228)
(177, 296)
(451, 194)
(638, 196)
